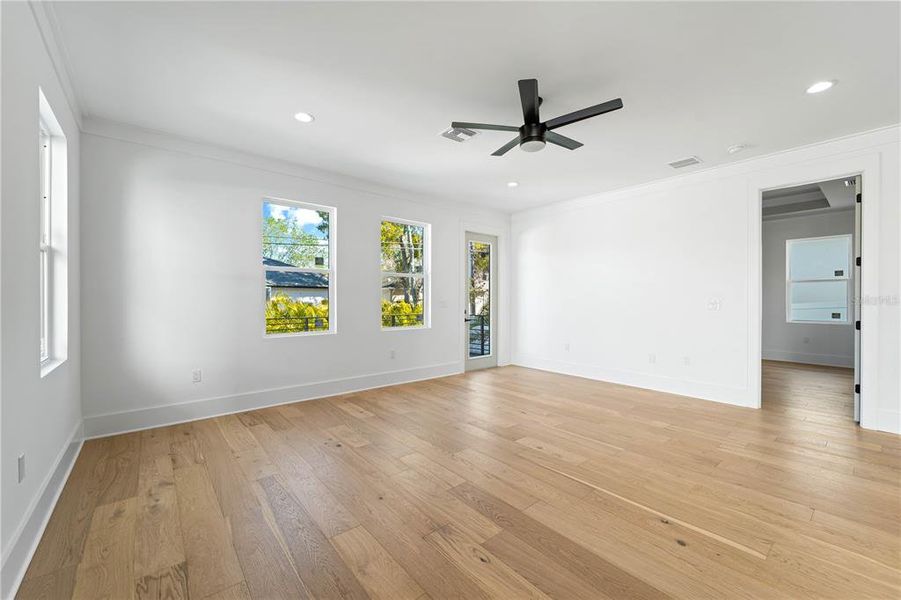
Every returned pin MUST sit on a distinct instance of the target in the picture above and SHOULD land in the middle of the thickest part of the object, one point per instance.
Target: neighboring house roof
(292, 279)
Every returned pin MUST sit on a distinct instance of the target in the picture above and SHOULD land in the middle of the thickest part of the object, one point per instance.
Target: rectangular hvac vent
(685, 162)
(458, 134)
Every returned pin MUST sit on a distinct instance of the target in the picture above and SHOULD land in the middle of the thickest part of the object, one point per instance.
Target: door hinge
(858, 261)
(857, 325)
(858, 197)
(856, 388)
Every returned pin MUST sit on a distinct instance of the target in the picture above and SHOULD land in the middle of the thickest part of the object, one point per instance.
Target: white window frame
(331, 272)
(44, 239)
(847, 277)
(426, 274)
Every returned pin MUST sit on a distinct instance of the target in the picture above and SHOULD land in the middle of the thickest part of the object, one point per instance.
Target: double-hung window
(405, 273)
(299, 267)
(44, 244)
(818, 272)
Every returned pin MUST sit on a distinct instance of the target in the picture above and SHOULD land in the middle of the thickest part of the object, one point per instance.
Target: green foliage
(286, 241)
(287, 315)
(479, 279)
(401, 314)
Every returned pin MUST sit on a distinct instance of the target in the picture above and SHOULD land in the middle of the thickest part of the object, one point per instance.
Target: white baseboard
(25, 541)
(890, 421)
(828, 360)
(181, 412)
(683, 387)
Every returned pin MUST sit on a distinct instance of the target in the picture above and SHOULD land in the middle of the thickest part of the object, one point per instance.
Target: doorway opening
(480, 313)
(811, 276)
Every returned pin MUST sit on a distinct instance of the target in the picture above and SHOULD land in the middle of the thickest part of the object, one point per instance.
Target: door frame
(867, 166)
(469, 363)
(502, 338)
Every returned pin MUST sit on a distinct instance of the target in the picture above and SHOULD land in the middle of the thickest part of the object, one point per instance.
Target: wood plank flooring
(503, 483)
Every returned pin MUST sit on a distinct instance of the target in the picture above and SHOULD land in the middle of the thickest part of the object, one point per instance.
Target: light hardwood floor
(505, 483)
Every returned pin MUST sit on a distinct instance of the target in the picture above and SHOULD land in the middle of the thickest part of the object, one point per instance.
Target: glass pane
(295, 237)
(479, 299)
(402, 247)
(403, 299)
(819, 301)
(819, 259)
(296, 302)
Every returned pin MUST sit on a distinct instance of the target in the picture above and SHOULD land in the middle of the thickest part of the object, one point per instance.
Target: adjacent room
(431, 300)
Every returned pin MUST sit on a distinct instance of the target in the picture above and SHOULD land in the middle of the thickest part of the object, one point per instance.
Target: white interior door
(480, 312)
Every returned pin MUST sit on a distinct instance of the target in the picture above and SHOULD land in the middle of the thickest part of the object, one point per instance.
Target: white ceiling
(383, 80)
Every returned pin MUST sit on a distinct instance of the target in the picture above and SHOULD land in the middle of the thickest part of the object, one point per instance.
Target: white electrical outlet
(393, 355)
(196, 375)
(686, 360)
(714, 304)
(566, 346)
(21, 467)
(652, 358)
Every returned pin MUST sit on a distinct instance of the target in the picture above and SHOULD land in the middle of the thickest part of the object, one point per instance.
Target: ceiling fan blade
(585, 113)
(461, 125)
(528, 95)
(507, 147)
(562, 140)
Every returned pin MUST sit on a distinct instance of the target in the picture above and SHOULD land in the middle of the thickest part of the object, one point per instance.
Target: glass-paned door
(480, 318)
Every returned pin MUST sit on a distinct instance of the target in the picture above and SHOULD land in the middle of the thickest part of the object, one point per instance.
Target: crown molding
(48, 26)
(858, 142)
(174, 142)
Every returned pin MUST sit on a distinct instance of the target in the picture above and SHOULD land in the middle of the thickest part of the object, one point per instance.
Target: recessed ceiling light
(820, 86)
(304, 117)
(512, 184)
(736, 148)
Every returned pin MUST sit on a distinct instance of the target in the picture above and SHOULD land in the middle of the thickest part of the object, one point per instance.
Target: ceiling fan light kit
(534, 134)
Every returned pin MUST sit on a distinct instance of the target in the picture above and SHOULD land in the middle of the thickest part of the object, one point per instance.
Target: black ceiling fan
(533, 134)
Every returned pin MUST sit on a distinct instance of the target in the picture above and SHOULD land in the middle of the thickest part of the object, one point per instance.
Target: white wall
(40, 417)
(814, 343)
(165, 221)
(637, 273)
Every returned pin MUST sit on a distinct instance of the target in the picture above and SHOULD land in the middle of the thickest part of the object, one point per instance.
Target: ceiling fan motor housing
(532, 136)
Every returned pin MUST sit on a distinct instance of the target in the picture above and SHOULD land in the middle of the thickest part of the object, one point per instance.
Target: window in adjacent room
(818, 274)
(299, 267)
(405, 274)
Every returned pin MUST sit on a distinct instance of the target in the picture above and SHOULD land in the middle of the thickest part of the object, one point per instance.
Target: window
(299, 267)
(51, 238)
(44, 241)
(818, 273)
(405, 274)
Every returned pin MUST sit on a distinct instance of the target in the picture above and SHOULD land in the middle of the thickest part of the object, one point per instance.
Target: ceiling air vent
(458, 134)
(685, 162)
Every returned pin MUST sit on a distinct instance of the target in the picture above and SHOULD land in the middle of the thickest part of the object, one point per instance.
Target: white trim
(426, 274)
(48, 26)
(864, 141)
(173, 142)
(503, 340)
(170, 414)
(679, 386)
(24, 541)
(472, 363)
(866, 163)
(331, 272)
(828, 360)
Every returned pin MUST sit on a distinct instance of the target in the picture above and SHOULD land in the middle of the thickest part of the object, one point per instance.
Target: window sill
(50, 365)
(820, 322)
(275, 336)
(407, 328)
